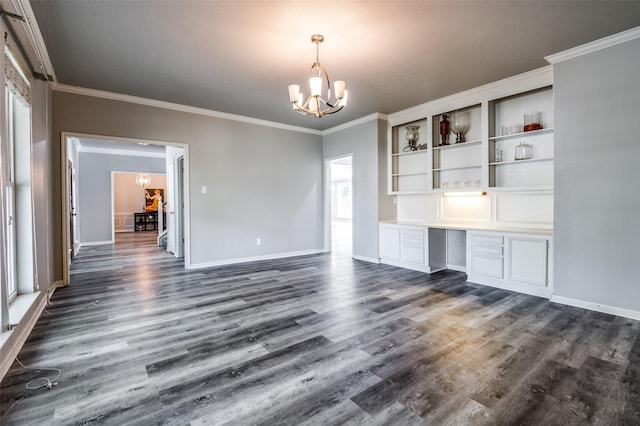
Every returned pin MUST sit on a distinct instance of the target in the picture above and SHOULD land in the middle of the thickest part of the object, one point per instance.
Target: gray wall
(367, 143)
(262, 182)
(94, 190)
(597, 202)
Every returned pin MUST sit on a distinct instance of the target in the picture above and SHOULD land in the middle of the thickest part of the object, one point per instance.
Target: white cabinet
(528, 259)
(513, 261)
(406, 246)
(486, 255)
(413, 247)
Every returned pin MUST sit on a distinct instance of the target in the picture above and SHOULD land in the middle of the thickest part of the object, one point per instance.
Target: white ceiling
(239, 56)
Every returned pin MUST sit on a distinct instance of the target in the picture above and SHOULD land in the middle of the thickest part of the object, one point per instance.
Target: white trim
(253, 259)
(457, 268)
(115, 151)
(627, 313)
(356, 122)
(366, 259)
(179, 107)
(594, 46)
(95, 243)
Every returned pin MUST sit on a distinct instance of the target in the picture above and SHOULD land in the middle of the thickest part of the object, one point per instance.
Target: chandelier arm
(328, 112)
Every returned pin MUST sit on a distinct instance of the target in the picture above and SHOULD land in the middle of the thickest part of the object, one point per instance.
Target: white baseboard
(95, 243)
(457, 268)
(366, 259)
(627, 313)
(251, 259)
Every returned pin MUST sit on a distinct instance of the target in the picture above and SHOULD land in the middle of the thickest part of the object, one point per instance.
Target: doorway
(341, 205)
(72, 145)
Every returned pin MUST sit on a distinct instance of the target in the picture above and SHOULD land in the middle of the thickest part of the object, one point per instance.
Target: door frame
(64, 136)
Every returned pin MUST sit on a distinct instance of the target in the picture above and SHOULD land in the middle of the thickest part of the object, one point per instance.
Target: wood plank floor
(314, 340)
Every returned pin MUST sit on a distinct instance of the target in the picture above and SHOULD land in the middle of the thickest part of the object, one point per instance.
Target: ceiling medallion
(315, 105)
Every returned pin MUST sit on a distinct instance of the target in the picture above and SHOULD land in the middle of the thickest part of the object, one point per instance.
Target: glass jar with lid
(524, 151)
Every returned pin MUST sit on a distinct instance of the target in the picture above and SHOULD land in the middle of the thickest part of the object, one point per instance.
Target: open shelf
(458, 145)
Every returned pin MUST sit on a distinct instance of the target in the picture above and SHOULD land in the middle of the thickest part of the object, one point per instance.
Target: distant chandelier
(143, 180)
(316, 105)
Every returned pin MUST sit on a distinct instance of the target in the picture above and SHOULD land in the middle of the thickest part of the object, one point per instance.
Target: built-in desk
(518, 259)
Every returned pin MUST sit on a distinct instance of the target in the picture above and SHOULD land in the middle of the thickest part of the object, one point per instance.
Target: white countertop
(472, 227)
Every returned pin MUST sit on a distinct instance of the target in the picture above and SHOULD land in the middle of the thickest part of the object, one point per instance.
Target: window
(18, 274)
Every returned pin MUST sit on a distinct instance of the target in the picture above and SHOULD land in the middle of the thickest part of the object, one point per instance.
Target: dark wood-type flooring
(314, 340)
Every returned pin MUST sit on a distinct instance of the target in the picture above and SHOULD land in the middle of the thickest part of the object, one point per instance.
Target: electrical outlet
(259, 242)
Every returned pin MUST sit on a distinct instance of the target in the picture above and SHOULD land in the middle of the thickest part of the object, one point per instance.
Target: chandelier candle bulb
(316, 86)
(339, 88)
(294, 92)
(343, 101)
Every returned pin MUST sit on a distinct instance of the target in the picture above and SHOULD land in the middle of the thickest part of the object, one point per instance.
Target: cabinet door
(528, 257)
(412, 245)
(489, 265)
(389, 242)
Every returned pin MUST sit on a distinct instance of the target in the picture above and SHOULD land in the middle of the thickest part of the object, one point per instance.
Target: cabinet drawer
(493, 249)
(495, 239)
(412, 237)
(487, 265)
(413, 254)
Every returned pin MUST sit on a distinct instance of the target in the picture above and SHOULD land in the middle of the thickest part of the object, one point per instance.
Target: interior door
(72, 211)
(171, 190)
(179, 207)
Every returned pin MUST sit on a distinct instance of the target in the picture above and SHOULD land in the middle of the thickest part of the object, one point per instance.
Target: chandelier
(143, 180)
(315, 105)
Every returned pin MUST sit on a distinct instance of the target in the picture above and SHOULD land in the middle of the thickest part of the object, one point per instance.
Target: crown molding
(178, 107)
(356, 122)
(594, 46)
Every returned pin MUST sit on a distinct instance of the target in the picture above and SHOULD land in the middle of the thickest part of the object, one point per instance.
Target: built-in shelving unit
(458, 166)
(409, 169)
(473, 164)
(511, 173)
